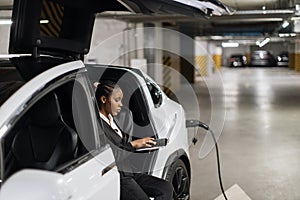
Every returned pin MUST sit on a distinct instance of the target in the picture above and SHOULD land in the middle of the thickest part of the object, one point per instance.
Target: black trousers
(142, 186)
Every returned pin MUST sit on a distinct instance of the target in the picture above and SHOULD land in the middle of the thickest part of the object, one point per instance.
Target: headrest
(46, 111)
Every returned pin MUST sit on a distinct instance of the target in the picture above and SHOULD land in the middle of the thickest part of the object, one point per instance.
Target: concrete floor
(260, 140)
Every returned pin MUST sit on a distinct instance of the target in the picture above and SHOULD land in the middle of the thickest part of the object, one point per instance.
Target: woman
(134, 186)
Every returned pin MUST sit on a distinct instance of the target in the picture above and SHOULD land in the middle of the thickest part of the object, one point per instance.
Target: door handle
(108, 168)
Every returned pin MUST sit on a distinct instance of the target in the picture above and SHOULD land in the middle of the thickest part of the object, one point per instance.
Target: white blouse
(111, 122)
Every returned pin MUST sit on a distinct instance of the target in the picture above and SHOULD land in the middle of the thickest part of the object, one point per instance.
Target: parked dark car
(263, 58)
(237, 60)
(283, 59)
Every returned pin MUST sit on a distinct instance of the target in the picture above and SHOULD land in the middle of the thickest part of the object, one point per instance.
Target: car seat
(46, 141)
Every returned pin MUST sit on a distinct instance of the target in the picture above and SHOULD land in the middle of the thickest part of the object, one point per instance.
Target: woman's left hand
(144, 142)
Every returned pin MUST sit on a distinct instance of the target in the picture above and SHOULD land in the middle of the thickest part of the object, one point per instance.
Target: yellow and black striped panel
(292, 60)
(248, 57)
(297, 62)
(167, 78)
(201, 62)
(53, 13)
(217, 58)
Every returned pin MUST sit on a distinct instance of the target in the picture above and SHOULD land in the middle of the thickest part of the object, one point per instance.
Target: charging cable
(195, 123)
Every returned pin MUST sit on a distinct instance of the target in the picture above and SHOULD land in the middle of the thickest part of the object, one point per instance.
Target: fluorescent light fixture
(44, 21)
(259, 12)
(295, 18)
(287, 34)
(9, 22)
(284, 34)
(285, 24)
(216, 37)
(230, 44)
(5, 21)
(264, 42)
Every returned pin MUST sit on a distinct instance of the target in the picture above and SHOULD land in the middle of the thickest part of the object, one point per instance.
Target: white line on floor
(234, 193)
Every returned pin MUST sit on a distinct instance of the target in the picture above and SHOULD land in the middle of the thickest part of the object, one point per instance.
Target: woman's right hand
(144, 142)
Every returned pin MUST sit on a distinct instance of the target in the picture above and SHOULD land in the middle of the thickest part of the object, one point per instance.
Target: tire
(178, 176)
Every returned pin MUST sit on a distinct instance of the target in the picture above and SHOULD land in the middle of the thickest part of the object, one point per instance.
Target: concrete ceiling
(249, 19)
(237, 4)
(256, 4)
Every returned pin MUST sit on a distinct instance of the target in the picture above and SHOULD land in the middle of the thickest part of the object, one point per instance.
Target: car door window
(56, 132)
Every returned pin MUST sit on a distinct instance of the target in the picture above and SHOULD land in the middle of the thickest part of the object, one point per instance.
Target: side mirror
(35, 185)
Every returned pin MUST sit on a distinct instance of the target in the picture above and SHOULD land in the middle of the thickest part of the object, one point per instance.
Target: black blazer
(122, 149)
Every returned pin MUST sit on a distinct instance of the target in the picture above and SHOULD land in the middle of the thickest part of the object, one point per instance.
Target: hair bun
(96, 84)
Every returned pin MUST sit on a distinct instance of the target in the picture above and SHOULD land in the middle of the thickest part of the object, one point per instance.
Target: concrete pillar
(171, 63)
(292, 54)
(152, 49)
(248, 55)
(187, 57)
(201, 57)
(215, 53)
(4, 39)
(109, 46)
(217, 57)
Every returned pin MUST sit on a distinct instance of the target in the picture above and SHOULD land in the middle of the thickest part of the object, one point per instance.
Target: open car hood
(64, 27)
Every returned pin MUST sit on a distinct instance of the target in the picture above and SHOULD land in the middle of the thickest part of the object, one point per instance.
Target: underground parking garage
(232, 66)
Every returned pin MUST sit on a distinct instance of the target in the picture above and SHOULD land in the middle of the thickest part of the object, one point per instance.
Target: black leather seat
(46, 141)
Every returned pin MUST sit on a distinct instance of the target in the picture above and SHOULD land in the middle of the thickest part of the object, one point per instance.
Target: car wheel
(179, 178)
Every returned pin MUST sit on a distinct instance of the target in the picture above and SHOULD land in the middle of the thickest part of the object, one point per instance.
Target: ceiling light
(264, 42)
(44, 21)
(285, 24)
(259, 12)
(284, 34)
(216, 37)
(230, 44)
(5, 21)
(9, 22)
(295, 18)
(287, 34)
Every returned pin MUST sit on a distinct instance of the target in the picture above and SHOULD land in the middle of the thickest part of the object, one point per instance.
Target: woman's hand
(144, 142)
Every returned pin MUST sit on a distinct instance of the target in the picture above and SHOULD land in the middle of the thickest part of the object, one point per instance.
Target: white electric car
(51, 137)
(52, 144)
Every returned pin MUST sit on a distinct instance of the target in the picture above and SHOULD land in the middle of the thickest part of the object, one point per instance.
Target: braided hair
(104, 88)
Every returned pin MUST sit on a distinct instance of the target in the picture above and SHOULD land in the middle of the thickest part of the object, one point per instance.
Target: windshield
(7, 89)
(10, 80)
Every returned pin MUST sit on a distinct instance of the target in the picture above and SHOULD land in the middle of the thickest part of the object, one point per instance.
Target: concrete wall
(4, 38)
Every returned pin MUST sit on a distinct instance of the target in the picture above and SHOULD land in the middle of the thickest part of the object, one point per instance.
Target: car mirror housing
(35, 185)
